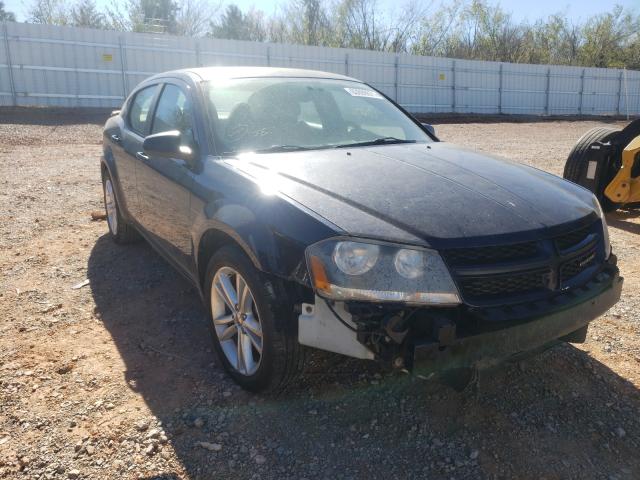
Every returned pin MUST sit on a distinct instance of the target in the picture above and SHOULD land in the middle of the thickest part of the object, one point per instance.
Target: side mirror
(430, 128)
(167, 145)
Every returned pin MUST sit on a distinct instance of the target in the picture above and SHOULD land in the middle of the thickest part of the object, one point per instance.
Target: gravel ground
(116, 379)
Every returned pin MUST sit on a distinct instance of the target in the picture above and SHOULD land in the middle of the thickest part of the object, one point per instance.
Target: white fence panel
(6, 88)
(524, 88)
(630, 93)
(50, 65)
(425, 84)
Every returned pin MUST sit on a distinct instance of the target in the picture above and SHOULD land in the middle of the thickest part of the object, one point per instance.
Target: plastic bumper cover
(490, 348)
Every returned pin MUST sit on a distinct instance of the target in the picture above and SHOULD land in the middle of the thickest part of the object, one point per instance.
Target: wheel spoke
(225, 289)
(243, 293)
(247, 354)
(240, 354)
(252, 325)
(228, 333)
(256, 341)
(223, 320)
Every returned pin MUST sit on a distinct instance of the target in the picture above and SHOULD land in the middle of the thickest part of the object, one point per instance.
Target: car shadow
(347, 419)
(621, 219)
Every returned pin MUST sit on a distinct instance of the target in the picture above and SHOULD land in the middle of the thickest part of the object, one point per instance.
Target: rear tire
(577, 162)
(122, 232)
(276, 358)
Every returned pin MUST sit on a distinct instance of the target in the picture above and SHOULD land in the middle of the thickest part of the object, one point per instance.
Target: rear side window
(173, 112)
(139, 109)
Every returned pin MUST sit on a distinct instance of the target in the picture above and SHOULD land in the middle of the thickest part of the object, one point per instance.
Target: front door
(164, 183)
(128, 142)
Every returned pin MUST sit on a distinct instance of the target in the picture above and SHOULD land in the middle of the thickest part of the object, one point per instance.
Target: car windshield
(271, 114)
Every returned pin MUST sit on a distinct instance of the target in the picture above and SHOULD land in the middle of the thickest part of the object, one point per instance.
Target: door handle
(115, 138)
(142, 156)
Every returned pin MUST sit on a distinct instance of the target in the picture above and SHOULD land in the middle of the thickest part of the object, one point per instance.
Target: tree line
(465, 29)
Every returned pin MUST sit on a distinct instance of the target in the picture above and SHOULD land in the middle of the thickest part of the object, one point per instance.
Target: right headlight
(353, 269)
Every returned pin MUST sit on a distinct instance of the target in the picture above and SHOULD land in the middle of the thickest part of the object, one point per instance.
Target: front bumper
(497, 344)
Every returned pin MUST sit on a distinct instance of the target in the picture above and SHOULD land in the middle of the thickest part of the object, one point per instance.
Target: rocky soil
(106, 370)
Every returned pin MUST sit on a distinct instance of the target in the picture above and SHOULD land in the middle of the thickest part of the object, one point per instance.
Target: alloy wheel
(236, 321)
(110, 205)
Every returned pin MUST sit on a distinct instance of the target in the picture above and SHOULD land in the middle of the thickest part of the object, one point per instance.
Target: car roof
(217, 73)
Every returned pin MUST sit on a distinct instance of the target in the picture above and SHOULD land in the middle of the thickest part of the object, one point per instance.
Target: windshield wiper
(376, 141)
(282, 148)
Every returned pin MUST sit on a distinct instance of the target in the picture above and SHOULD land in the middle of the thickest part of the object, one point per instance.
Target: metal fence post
(123, 68)
(546, 102)
(268, 56)
(500, 90)
(619, 108)
(453, 87)
(12, 84)
(395, 80)
(581, 92)
(346, 64)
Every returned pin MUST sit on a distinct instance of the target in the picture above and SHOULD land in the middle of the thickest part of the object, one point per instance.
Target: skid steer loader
(607, 162)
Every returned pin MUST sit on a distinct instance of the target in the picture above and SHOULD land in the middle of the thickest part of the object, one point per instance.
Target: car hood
(420, 193)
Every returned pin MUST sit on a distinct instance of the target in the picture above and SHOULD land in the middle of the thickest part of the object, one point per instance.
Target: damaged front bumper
(434, 340)
(491, 347)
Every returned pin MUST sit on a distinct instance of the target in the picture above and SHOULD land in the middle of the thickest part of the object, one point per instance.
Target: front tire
(252, 323)
(121, 231)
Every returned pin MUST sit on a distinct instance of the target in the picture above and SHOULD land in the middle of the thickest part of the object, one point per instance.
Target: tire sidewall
(232, 257)
(106, 177)
(577, 161)
(126, 233)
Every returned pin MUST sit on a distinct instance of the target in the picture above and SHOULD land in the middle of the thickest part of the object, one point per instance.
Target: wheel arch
(108, 165)
(212, 240)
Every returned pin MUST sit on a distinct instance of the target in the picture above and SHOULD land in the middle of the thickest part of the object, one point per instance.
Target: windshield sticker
(362, 92)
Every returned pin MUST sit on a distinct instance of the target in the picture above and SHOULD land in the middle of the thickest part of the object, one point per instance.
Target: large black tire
(122, 232)
(282, 357)
(577, 162)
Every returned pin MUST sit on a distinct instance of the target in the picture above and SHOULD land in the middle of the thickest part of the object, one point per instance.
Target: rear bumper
(484, 350)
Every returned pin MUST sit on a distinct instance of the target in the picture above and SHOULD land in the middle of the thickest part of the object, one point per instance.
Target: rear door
(136, 124)
(164, 183)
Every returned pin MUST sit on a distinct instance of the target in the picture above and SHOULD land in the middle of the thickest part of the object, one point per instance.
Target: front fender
(271, 229)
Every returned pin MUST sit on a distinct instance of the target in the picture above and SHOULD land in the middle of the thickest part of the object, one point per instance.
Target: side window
(139, 109)
(174, 113)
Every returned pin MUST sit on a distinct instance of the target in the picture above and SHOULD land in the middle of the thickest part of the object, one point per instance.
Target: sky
(522, 9)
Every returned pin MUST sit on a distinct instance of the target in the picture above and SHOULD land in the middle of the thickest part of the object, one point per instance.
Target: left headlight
(349, 269)
(605, 228)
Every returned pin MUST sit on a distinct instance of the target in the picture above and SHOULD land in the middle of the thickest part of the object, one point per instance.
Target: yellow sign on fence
(107, 57)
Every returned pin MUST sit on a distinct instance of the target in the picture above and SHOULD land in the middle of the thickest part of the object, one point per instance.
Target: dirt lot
(116, 379)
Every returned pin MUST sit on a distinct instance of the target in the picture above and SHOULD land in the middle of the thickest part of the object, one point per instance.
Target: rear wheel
(121, 231)
(252, 323)
(578, 161)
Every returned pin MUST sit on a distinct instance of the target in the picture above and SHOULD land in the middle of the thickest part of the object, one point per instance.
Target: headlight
(355, 258)
(410, 263)
(605, 229)
(368, 270)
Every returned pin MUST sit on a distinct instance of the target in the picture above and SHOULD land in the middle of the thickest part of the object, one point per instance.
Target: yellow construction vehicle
(607, 162)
